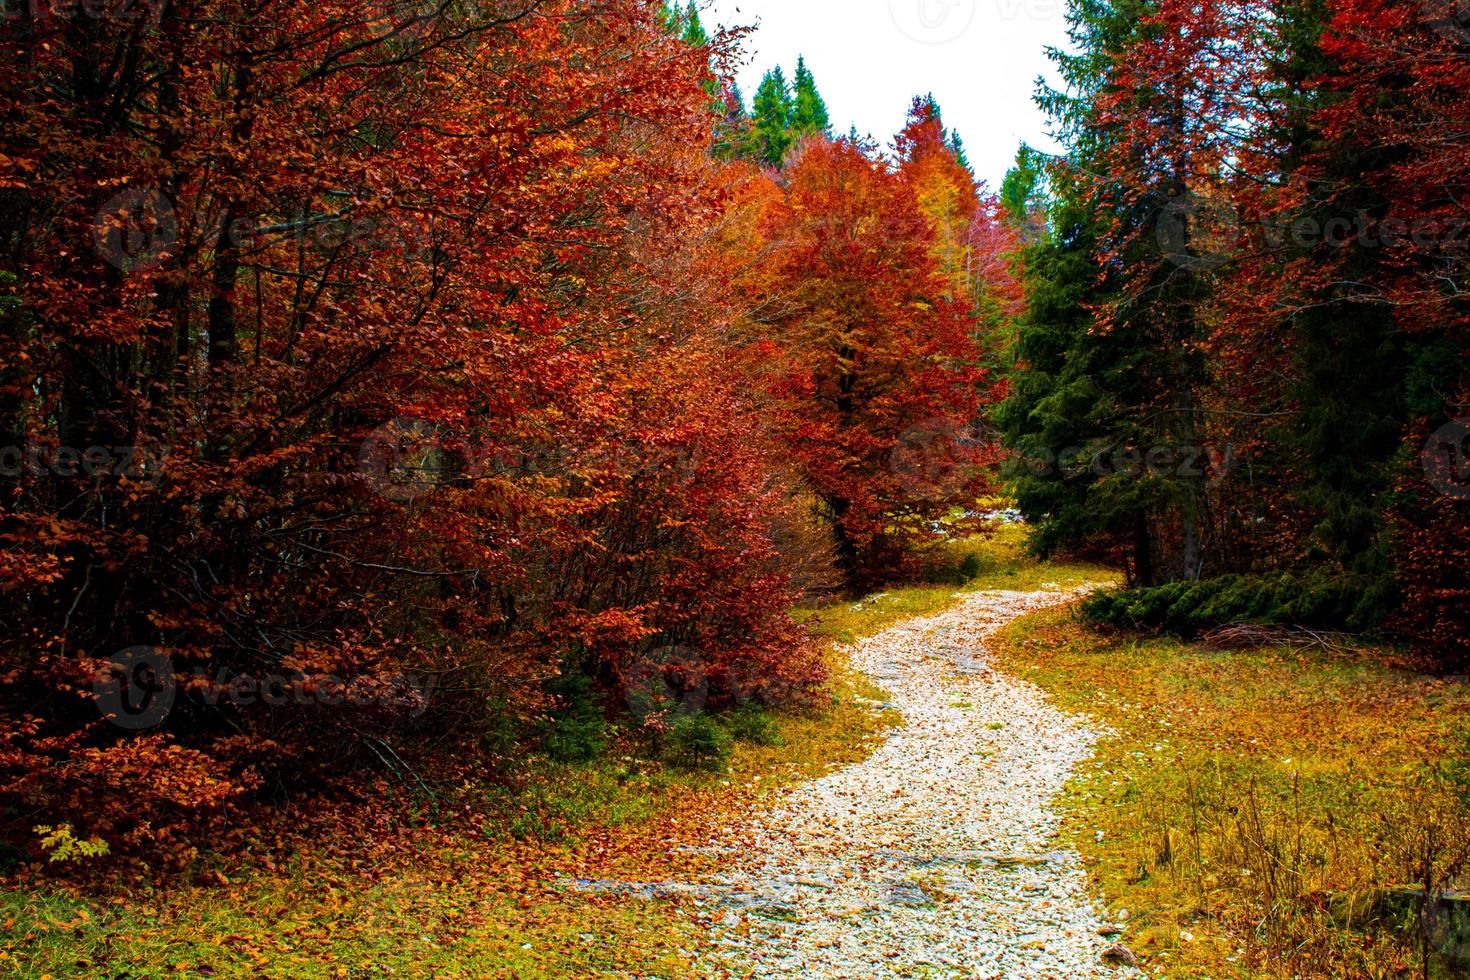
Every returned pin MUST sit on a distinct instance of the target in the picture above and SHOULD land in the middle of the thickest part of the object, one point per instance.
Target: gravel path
(935, 857)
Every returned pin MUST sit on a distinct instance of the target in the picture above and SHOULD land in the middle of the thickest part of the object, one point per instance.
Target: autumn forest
(458, 456)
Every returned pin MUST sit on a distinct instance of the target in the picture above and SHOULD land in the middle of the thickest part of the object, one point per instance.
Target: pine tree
(1104, 378)
(1021, 190)
(773, 111)
(957, 147)
(694, 32)
(809, 112)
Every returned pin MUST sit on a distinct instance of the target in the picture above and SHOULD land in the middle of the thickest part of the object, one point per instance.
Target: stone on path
(937, 855)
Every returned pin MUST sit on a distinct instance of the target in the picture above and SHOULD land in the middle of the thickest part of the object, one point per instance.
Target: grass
(464, 891)
(1248, 805)
(471, 894)
(1002, 562)
(469, 886)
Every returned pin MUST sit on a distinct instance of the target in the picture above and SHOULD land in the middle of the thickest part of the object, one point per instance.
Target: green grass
(1004, 564)
(404, 927)
(1245, 797)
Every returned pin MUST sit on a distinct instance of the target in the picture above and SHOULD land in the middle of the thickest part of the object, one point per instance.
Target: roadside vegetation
(1266, 811)
(474, 883)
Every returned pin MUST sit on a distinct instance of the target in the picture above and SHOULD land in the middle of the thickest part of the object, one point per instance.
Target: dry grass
(1247, 798)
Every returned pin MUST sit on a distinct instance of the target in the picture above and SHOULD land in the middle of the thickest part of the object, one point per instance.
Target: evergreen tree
(694, 32)
(809, 112)
(1021, 190)
(1107, 352)
(773, 111)
(1350, 422)
(734, 137)
(957, 146)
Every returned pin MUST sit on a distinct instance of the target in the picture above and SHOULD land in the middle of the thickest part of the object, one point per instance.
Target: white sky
(980, 58)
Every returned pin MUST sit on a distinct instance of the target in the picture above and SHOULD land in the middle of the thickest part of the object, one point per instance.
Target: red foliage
(422, 331)
(871, 353)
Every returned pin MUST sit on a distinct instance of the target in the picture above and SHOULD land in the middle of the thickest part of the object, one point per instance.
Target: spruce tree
(1091, 401)
(809, 112)
(694, 32)
(773, 111)
(1021, 190)
(957, 146)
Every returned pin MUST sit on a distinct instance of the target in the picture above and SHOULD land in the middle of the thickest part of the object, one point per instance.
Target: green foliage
(695, 742)
(773, 110)
(577, 729)
(958, 146)
(809, 111)
(1021, 190)
(694, 32)
(1316, 601)
(783, 113)
(753, 724)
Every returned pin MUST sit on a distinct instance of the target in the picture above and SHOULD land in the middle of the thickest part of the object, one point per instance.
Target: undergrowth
(1253, 811)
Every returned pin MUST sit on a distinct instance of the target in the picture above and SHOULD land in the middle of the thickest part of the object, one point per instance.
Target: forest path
(935, 856)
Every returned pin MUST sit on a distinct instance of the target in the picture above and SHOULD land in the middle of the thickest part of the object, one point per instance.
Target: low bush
(577, 728)
(1354, 604)
(696, 742)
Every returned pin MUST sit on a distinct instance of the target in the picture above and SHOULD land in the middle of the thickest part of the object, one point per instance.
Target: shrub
(750, 723)
(1354, 604)
(577, 730)
(696, 742)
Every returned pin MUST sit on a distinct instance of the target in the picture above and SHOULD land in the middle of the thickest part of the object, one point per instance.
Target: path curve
(937, 855)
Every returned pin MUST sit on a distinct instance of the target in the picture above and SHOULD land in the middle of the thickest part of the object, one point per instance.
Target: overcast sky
(980, 58)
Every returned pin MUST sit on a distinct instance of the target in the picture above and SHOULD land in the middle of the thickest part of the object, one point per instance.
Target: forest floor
(924, 819)
(443, 889)
(936, 855)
